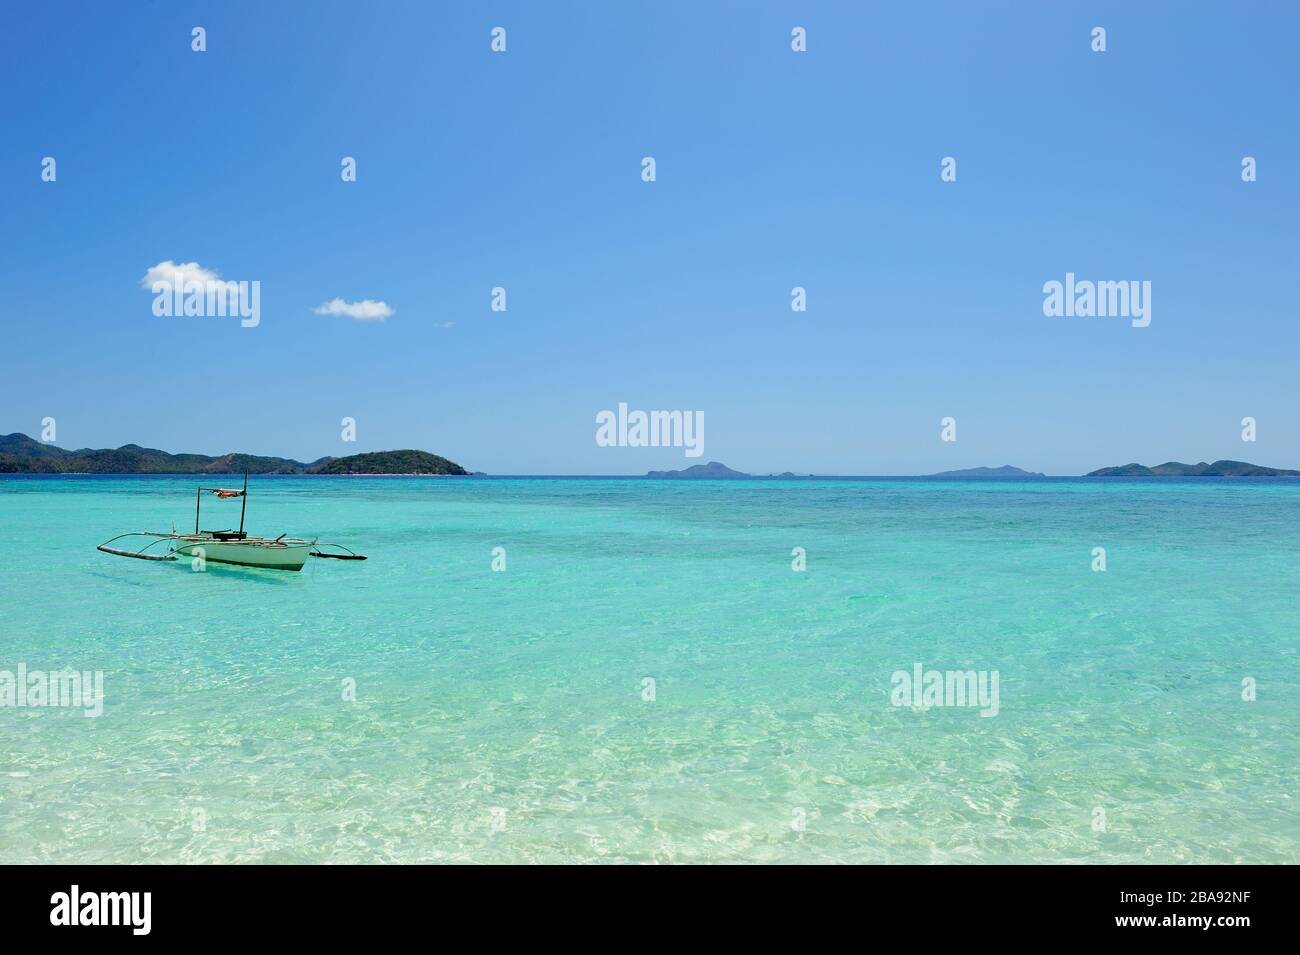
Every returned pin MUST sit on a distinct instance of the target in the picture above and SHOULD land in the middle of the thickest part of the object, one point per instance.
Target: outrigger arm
(140, 554)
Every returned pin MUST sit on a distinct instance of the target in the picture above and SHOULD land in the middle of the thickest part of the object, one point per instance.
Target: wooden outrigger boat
(229, 547)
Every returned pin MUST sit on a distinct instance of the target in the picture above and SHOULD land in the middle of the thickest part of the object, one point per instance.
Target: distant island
(1003, 472)
(20, 454)
(712, 470)
(1178, 469)
(390, 462)
(715, 470)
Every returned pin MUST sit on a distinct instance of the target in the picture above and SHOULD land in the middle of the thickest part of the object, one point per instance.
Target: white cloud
(167, 271)
(363, 311)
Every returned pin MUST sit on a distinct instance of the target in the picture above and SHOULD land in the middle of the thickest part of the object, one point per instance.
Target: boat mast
(243, 503)
(198, 495)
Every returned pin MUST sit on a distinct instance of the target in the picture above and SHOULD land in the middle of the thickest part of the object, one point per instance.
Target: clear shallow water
(225, 736)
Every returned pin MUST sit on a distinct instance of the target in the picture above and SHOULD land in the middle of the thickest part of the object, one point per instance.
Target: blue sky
(775, 169)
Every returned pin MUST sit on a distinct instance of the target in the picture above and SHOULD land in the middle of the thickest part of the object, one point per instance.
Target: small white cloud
(363, 311)
(188, 272)
(446, 324)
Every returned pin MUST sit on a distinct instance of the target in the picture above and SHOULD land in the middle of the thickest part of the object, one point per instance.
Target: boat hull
(266, 555)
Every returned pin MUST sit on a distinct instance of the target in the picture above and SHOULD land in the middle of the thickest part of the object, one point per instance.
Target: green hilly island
(20, 454)
(390, 462)
(1178, 469)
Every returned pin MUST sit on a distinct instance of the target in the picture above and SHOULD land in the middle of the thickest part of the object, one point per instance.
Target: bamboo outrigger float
(230, 547)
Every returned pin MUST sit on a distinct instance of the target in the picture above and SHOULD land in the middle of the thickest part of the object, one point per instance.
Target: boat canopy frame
(243, 504)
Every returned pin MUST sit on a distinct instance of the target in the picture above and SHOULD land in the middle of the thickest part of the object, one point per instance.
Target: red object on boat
(220, 492)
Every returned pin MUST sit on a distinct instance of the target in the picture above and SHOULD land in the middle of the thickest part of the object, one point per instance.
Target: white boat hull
(272, 556)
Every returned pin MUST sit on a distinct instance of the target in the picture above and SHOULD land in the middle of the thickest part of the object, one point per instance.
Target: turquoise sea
(506, 716)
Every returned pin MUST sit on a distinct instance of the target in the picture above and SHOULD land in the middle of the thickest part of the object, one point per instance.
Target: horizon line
(953, 473)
